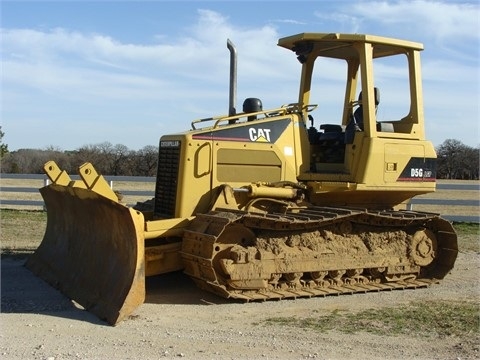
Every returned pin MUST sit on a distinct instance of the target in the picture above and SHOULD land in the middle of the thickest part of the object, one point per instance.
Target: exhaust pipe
(233, 79)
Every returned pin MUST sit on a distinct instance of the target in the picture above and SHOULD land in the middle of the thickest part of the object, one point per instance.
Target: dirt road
(180, 321)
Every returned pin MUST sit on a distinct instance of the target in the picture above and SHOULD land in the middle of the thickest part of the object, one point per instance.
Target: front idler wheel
(423, 247)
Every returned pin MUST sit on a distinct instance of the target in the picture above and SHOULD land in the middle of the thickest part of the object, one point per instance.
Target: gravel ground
(180, 321)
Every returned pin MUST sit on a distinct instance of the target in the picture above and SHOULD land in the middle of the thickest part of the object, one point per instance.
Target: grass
(467, 228)
(435, 319)
(468, 236)
(21, 230)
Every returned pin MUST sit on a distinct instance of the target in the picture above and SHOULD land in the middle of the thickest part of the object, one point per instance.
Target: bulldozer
(263, 204)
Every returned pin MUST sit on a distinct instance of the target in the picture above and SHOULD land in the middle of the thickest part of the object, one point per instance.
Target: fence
(468, 197)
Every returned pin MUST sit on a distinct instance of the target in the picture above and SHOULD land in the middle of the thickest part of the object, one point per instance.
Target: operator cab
(343, 73)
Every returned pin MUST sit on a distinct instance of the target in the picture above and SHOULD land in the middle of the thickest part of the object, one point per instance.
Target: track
(316, 251)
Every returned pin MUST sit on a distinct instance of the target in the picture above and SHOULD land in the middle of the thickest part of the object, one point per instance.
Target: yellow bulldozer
(264, 204)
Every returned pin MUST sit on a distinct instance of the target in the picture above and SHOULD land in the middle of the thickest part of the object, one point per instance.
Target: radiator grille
(167, 179)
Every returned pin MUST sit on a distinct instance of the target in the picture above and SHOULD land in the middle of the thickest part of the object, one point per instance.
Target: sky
(76, 73)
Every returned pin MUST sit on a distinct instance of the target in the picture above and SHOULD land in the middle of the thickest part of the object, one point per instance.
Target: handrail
(283, 110)
(227, 118)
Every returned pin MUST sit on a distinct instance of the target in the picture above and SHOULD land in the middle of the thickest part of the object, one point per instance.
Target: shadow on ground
(23, 292)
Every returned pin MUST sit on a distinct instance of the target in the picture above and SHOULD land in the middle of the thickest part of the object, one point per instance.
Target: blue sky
(75, 73)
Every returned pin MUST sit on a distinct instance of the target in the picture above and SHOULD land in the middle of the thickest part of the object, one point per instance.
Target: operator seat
(356, 120)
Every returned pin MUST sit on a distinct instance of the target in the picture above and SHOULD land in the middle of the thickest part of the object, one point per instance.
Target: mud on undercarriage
(316, 251)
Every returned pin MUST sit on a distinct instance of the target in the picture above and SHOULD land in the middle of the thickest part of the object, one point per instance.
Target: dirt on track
(180, 321)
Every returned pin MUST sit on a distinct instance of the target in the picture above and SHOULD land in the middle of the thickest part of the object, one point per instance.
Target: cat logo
(259, 135)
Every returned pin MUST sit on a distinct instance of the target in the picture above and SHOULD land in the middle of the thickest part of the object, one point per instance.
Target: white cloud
(203, 48)
(289, 21)
(175, 80)
(439, 19)
(449, 24)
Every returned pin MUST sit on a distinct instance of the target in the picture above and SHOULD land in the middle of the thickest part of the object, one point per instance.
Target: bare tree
(144, 161)
(457, 160)
(118, 160)
(97, 154)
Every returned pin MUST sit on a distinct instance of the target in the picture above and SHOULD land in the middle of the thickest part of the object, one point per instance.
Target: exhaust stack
(233, 79)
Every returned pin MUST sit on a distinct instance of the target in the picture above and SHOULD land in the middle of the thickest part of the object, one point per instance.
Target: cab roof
(339, 46)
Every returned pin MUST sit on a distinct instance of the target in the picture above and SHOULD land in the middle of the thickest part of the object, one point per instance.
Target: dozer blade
(92, 251)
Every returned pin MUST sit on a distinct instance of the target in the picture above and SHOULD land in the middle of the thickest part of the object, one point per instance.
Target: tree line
(455, 160)
(108, 159)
